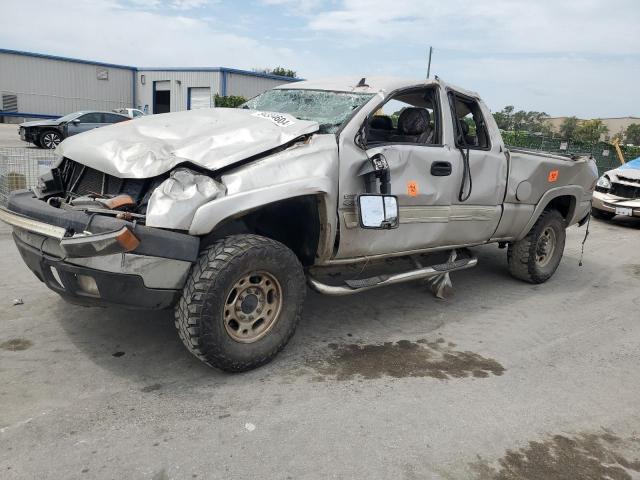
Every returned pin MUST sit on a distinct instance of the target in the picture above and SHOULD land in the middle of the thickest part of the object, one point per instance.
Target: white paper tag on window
(277, 118)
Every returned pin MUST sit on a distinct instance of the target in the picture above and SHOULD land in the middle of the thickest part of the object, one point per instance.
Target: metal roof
(149, 69)
(64, 59)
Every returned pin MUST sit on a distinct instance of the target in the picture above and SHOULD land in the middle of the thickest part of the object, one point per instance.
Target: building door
(162, 96)
(199, 97)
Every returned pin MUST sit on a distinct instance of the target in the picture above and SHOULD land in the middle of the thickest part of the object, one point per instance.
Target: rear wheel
(536, 257)
(602, 214)
(242, 302)
(50, 139)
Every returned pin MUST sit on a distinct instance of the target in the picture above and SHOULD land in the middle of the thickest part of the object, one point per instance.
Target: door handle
(440, 169)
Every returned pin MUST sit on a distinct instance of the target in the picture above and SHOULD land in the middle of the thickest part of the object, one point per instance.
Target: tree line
(571, 129)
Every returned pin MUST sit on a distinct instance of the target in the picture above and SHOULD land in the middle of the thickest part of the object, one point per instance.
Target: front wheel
(242, 302)
(536, 257)
(50, 139)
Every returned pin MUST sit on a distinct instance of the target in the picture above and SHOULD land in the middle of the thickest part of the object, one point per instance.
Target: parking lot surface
(505, 380)
(9, 137)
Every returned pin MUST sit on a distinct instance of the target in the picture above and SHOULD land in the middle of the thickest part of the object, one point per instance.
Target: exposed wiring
(586, 234)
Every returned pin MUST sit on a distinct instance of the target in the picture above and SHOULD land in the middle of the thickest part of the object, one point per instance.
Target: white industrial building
(35, 85)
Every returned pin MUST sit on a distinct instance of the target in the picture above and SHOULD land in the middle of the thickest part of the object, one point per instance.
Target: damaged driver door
(405, 136)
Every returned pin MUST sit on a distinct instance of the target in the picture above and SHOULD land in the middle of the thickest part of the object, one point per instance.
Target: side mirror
(378, 211)
(75, 121)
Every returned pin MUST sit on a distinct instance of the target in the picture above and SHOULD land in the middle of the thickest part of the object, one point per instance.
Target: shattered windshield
(329, 109)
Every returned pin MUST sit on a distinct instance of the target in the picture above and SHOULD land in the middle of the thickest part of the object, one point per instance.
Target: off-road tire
(43, 142)
(522, 255)
(200, 310)
(602, 214)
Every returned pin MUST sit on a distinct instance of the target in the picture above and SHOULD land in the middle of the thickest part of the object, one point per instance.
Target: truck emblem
(412, 188)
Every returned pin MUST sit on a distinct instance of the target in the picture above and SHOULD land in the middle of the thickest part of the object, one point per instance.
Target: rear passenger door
(476, 203)
(108, 118)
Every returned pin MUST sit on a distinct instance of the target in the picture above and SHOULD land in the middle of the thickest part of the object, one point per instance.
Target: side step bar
(361, 285)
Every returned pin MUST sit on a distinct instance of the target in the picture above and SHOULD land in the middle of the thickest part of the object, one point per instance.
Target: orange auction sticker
(412, 188)
(553, 176)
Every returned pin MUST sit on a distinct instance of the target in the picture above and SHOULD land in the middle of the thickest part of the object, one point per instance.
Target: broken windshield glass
(329, 109)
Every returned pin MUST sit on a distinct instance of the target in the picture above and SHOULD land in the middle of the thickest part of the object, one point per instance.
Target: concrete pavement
(505, 380)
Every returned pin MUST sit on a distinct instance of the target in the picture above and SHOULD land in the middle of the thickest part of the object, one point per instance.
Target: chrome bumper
(608, 203)
(31, 225)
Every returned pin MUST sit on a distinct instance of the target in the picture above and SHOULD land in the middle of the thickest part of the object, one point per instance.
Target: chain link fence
(604, 153)
(21, 167)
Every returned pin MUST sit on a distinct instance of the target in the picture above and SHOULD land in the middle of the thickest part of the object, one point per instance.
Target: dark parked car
(49, 133)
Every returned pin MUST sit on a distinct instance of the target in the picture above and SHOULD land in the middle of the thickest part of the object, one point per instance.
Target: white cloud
(188, 4)
(173, 4)
(297, 7)
(108, 30)
(587, 26)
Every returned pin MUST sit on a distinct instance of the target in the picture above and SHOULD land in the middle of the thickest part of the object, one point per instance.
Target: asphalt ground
(9, 137)
(505, 380)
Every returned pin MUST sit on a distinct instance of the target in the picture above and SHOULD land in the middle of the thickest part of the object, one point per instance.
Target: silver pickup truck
(226, 214)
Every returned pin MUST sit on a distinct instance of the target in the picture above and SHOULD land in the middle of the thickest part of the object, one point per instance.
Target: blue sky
(565, 57)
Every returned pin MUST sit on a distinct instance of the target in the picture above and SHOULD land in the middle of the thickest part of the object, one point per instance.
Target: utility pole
(429, 66)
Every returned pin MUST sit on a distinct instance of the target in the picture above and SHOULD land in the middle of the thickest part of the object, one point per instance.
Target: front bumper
(27, 135)
(608, 203)
(92, 287)
(149, 276)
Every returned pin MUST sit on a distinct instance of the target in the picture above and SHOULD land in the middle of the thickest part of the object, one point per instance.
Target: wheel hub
(252, 306)
(546, 246)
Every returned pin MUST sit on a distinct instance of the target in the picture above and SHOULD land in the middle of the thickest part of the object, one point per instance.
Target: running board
(361, 285)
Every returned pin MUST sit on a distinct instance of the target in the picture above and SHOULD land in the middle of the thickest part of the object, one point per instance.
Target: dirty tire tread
(521, 255)
(204, 278)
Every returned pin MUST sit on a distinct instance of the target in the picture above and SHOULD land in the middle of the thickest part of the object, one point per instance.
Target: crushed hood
(629, 171)
(212, 138)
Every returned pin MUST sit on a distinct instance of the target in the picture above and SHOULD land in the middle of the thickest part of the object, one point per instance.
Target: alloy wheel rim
(51, 140)
(546, 246)
(252, 306)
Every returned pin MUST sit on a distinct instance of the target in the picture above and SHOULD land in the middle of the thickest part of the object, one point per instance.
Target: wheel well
(295, 222)
(565, 204)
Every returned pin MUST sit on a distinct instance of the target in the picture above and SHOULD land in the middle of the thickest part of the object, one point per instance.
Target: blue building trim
(28, 115)
(223, 83)
(134, 75)
(220, 69)
(188, 98)
(153, 98)
(65, 59)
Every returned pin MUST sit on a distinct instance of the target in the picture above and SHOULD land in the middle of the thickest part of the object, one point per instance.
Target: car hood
(211, 138)
(40, 123)
(628, 171)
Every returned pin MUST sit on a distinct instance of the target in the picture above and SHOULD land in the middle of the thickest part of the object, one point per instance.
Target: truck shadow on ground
(620, 221)
(396, 330)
